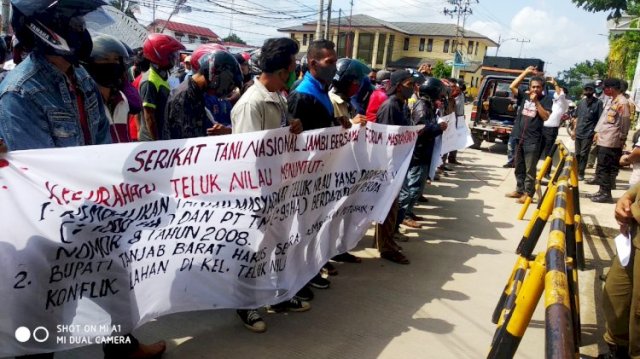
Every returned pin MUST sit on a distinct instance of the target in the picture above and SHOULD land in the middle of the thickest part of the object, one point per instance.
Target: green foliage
(616, 7)
(441, 70)
(623, 55)
(234, 38)
(579, 74)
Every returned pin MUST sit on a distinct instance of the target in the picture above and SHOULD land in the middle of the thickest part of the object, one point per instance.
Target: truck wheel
(477, 141)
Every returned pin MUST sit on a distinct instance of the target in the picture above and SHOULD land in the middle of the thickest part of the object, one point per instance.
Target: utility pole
(5, 16)
(327, 32)
(319, 26)
(522, 41)
(348, 49)
(233, 2)
(339, 19)
(502, 41)
(153, 12)
(461, 8)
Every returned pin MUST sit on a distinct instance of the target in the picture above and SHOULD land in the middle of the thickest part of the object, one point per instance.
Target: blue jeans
(411, 190)
(511, 149)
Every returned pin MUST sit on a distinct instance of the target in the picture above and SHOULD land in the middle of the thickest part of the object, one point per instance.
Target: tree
(623, 55)
(616, 7)
(579, 74)
(441, 70)
(128, 7)
(234, 38)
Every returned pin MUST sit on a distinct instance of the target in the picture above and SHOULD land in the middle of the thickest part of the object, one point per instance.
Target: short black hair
(624, 85)
(538, 79)
(276, 54)
(316, 47)
(614, 83)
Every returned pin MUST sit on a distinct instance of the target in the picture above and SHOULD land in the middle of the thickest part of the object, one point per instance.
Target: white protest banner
(457, 136)
(98, 240)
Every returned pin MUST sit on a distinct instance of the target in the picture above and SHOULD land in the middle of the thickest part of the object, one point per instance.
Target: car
(494, 110)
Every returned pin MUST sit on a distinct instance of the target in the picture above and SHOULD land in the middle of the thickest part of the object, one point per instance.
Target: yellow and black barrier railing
(542, 212)
(553, 272)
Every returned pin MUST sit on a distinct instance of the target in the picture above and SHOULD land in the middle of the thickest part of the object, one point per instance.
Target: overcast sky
(559, 32)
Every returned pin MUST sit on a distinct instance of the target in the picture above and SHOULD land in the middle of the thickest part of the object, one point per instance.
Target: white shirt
(559, 108)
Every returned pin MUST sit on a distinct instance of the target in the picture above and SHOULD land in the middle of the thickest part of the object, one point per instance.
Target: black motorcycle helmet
(348, 70)
(431, 88)
(222, 71)
(55, 27)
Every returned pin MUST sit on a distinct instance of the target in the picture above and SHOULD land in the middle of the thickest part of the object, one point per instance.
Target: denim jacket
(37, 109)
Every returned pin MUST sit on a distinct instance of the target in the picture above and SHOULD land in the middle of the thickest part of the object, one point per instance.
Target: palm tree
(128, 7)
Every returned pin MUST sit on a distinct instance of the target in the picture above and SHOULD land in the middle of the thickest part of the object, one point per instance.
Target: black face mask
(107, 75)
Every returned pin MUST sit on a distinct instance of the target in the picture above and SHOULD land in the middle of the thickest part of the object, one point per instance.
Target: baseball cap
(241, 60)
(383, 75)
(589, 85)
(398, 77)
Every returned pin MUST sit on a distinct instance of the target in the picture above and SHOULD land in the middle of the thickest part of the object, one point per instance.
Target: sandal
(346, 257)
(395, 256)
(331, 270)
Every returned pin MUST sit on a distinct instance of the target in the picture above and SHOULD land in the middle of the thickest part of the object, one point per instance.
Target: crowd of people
(105, 92)
(71, 89)
(601, 126)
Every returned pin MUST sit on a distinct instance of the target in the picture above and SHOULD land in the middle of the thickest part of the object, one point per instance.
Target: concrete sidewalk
(439, 306)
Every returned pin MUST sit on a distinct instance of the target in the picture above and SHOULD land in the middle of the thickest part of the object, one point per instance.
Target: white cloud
(557, 40)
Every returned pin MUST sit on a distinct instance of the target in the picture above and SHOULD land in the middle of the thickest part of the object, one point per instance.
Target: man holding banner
(260, 108)
(394, 112)
(423, 113)
(32, 116)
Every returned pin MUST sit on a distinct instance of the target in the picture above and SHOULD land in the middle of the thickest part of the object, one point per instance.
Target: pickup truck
(494, 110)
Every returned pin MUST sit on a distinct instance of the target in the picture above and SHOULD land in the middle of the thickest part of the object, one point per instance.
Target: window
(406, 44)
(430, 45)
(178, 36)
(365, 47)
(310, 38)
(304, 39)
(454, 45)
(392, 40)
(445, 48)
(421, 48)
(192, 39)
(382, 39)
(470, 48)
(477, 45)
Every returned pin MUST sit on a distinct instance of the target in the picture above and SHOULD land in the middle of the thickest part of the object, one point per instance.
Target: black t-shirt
(528, 124)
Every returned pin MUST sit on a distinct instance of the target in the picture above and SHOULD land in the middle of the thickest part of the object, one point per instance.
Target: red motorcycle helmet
(201, 51)
(161, 49)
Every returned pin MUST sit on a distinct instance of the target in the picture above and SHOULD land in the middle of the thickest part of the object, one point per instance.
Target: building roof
(409, 28)
(435, 29)
(356, 21)
(185, 28)
(415, 62)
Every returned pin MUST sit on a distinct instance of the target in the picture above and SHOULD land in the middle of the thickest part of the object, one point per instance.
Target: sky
(558, 32)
